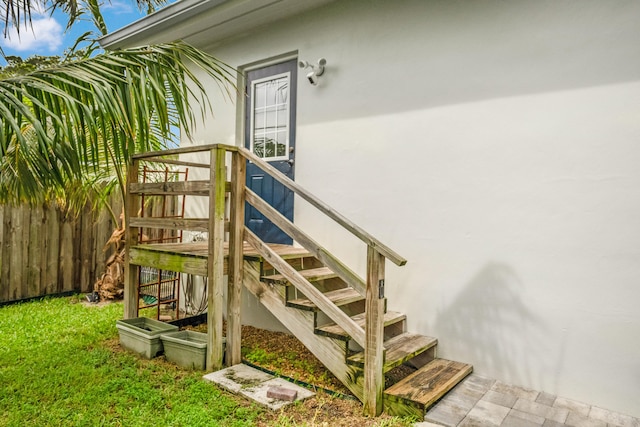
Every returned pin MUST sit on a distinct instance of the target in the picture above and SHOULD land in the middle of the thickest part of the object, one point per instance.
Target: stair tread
(338, 297)
(429, 383)
(312, 275)
(399, 349)
(335, 331)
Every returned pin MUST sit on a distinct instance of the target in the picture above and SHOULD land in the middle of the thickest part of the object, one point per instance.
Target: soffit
(205, 22)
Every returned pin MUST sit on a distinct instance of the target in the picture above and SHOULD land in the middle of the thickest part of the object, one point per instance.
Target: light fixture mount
(316, 70)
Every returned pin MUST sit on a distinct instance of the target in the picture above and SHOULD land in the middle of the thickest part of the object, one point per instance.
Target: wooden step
(312, 275)
(295, 256)
(338, 297)
(335, 331)
(414, 394)
(398, 350)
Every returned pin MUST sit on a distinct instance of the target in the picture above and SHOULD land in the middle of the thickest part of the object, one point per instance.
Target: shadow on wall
(490, 323)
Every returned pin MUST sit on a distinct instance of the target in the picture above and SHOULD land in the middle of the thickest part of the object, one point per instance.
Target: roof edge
(149, 25)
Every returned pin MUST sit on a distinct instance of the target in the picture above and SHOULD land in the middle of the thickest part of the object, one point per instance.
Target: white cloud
(117, 7)
(44, 33)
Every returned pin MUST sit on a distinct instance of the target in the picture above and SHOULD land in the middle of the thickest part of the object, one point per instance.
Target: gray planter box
(187, 349)
(141, 335)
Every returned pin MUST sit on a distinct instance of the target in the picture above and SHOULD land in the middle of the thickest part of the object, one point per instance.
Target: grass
(58, 366)
(61, 365)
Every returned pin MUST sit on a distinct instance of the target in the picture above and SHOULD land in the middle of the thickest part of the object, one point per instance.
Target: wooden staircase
(431, 378)
(340, 317)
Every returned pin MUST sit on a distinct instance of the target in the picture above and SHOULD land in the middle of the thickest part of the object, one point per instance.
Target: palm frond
(17, 13)
(72, 122)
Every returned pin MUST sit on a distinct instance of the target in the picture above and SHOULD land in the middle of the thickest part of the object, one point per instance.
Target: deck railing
(372, 289)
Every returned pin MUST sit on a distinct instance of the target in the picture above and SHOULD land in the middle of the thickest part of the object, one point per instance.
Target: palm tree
(78, 123)
(69, 130)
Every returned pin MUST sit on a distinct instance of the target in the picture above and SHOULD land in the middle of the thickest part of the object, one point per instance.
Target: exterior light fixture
(316, 70)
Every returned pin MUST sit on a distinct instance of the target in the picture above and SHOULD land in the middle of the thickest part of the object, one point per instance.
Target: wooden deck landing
(192, 257)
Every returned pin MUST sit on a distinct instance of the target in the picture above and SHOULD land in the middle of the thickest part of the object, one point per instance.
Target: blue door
(270, 134)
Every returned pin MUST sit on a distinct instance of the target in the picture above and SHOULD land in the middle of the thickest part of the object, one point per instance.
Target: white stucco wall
(495, 145)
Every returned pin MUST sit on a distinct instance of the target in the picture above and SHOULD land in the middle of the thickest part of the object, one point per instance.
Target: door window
(270, 117)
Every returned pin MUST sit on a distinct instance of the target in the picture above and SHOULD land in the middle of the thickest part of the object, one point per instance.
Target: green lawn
(57, 368)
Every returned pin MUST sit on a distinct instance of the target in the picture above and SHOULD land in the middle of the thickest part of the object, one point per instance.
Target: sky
(47, 35)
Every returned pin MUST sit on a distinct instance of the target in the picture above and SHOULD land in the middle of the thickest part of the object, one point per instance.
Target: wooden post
(132, 204)
(215, 260)
(236, 243)
(374, 334)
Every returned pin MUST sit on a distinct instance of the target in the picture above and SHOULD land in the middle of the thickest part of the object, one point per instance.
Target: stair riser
(395, 329)
(388, 365)
(312, 275)
(350, 307)
(403, 408)
(323, 286)
(422, 359)
(297, 263)
(390, 330)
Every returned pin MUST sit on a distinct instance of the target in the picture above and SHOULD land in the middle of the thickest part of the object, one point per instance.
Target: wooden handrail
(191, 224)
(183, 150)
(356, 230)
(177, 162)
(189, 188)
(311, 245)
(324, 208)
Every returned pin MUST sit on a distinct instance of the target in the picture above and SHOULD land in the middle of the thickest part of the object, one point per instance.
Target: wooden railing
(325, 209)
(370, 337)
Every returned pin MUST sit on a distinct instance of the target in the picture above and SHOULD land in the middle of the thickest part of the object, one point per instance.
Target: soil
(333, 405)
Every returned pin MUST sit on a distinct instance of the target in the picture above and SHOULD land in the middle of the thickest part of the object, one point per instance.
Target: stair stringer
(329, 351)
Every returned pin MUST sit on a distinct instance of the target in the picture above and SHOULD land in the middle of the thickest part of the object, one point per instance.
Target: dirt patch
(327, 411)
(244, 382)
(286, 356)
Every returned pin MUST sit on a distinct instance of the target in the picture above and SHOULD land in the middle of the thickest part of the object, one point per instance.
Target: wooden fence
(44, 251)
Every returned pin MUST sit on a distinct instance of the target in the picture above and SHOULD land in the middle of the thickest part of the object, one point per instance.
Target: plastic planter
(187, 349)
(141, 335)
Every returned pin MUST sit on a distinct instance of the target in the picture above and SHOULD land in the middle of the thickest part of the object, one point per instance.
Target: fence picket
(86, 236)
(43, 251)
(33, 282)
(53, 249)
(4, 290)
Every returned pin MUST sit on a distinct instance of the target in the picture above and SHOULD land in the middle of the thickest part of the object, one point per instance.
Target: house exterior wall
(495, 146)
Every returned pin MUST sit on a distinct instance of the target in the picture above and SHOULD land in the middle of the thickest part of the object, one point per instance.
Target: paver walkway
(480, 402)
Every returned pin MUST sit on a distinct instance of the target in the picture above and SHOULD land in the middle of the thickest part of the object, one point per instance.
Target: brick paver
(482, 402)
